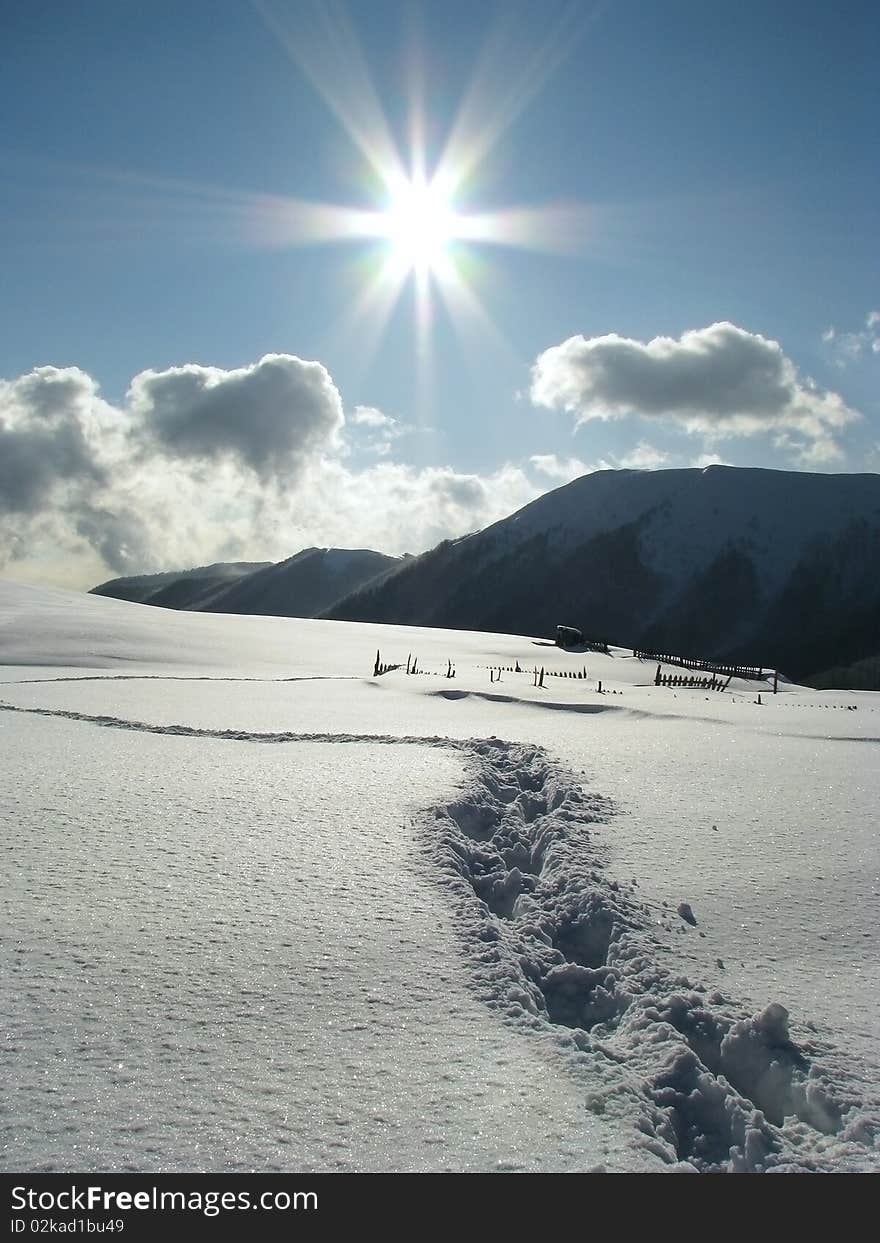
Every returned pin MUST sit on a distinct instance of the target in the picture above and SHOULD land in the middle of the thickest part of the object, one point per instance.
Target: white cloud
(399, 508)
(270, 416)
(644, 457)
(815, 454)
(719, 381)
(563, 470)
(202, 464)
(560, 470)
(379, 430)
(46, 425)
(846, 347)
(369, 416)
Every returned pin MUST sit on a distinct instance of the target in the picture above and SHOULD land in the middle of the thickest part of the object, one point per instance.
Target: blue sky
(686, 165)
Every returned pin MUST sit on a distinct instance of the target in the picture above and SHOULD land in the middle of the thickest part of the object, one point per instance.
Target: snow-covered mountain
(776, 567)
(302, 586)
(177, 588)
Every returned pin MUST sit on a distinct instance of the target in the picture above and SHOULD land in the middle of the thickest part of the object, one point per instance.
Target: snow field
(610, 1031)
(228, 956)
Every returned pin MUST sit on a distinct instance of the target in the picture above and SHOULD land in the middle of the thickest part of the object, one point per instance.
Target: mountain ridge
(765, 566)
(138, 588)
(300, 586)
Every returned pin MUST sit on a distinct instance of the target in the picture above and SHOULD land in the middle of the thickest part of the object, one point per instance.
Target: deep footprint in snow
(555, 944)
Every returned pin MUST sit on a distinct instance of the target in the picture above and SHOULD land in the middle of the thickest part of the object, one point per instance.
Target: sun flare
(419, 223)
(418, 208)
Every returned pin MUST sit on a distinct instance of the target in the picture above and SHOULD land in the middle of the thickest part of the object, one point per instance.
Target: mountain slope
(303, 586)
(142, 588)
(782, 568)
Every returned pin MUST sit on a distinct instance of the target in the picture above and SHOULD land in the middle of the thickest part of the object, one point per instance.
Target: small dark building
(568, 636)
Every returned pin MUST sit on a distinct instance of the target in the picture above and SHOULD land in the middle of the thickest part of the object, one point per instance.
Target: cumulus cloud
(719, 381)
(202, 464)
(270, 416)
(846, 347)
(46, 422)
(401, 508)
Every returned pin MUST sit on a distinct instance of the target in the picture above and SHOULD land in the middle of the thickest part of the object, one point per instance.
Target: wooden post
(775, 680)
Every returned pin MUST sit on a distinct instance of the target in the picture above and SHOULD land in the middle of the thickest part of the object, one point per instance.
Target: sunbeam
(472, 323)
(419, 222)
(360, 329)
(416, 216)
(327, 51)
(508, 76)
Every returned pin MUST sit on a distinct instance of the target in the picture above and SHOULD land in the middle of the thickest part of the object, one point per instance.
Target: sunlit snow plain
(265, 910)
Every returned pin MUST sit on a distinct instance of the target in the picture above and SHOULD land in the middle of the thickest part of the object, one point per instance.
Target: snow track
(556, 943)
(558, 948)
(176, 677)
(232, 735)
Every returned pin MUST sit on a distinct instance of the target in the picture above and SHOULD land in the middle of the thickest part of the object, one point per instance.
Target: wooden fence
(750, 672)
(680, 679)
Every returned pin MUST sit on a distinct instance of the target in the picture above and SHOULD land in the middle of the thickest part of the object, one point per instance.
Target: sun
(419, 223)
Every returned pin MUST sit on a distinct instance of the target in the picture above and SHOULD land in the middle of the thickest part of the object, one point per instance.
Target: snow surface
(690, 515)
(268, 911)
